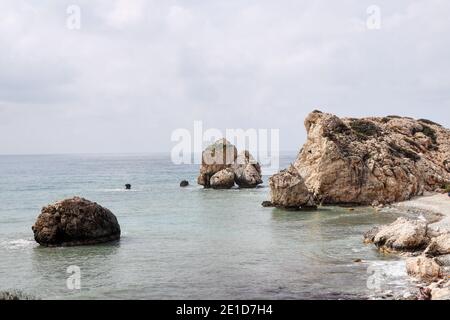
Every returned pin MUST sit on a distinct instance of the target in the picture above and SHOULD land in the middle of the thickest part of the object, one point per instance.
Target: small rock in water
(357, 260)
(184, 183)
(128, 186)
(267, 204)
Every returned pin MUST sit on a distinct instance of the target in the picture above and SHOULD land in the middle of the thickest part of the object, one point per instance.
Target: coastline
(438, 204)
(434, 208)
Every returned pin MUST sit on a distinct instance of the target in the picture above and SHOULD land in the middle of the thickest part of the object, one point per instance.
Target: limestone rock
(371, 160)
(423, 268)
(216, 157)
(402, 235)
(439, 246)
(224, 179)
(223, 155)
(288, 190)
(247, 171)
(75, 221)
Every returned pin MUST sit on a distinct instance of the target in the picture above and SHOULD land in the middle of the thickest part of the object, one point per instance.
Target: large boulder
(75, 221)
(288, 190)
(247, 171)
(221, 162)
(423, 268)
(216, 157)
(372, 160)
(224, 179)
(402, 235)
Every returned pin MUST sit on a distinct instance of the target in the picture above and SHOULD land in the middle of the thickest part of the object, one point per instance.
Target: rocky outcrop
(222, 167)
(247, 171)
(288, 190)
(370, 160)
(423, 268)
(402, 235)
(75, 221)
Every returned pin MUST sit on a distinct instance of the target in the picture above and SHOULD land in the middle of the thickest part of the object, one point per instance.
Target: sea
(184, 243)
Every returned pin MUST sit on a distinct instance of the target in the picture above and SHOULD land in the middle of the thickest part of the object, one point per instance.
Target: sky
(135, 71)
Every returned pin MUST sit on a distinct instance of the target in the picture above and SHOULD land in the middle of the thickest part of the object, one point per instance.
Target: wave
(18, 244)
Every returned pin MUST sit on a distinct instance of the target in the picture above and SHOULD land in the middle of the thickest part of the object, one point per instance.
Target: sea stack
(75, 221)
(222, 167)
(375, 160)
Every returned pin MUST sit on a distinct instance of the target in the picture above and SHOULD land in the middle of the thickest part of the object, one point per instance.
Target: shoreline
(434, 208)
(437, 204)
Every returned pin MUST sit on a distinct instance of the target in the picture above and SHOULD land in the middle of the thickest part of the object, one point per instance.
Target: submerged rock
(75, 221)
(402, 235)
(184, 183)
(370, 160)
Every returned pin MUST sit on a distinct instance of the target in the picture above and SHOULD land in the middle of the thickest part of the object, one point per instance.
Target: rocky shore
(424, 243)
(366, 161)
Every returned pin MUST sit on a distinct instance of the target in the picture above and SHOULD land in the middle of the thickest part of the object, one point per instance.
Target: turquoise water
(185, 243)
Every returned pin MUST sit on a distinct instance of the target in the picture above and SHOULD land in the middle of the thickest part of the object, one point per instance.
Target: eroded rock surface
(75, 221)
(288, 190)
(370, 160)
(222, 167)
(402, 235)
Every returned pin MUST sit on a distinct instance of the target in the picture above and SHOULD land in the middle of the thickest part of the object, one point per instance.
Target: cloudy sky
(137, 70)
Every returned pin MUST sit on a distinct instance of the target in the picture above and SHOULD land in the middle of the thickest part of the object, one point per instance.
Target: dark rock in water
(128, 186)
(267, 204)
(75, 221)
(357, 260)
(15, 295)
(184, 183)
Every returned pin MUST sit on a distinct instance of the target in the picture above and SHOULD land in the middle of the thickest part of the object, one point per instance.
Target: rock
(402, 235)
(288, 190)
(247, 171)
(423, 268)
(184, 183)
(424, 293)
(15, 295)
(224, 179)
(267, 204)
(128, 186)
(223, 155)
(75, 221)
(371, 160)
(357, 260)
(438, 246)
(440, 293)
(216, 157)
(369, 236)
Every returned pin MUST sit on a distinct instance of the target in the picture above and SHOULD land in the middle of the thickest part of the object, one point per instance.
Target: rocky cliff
(374, 160)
